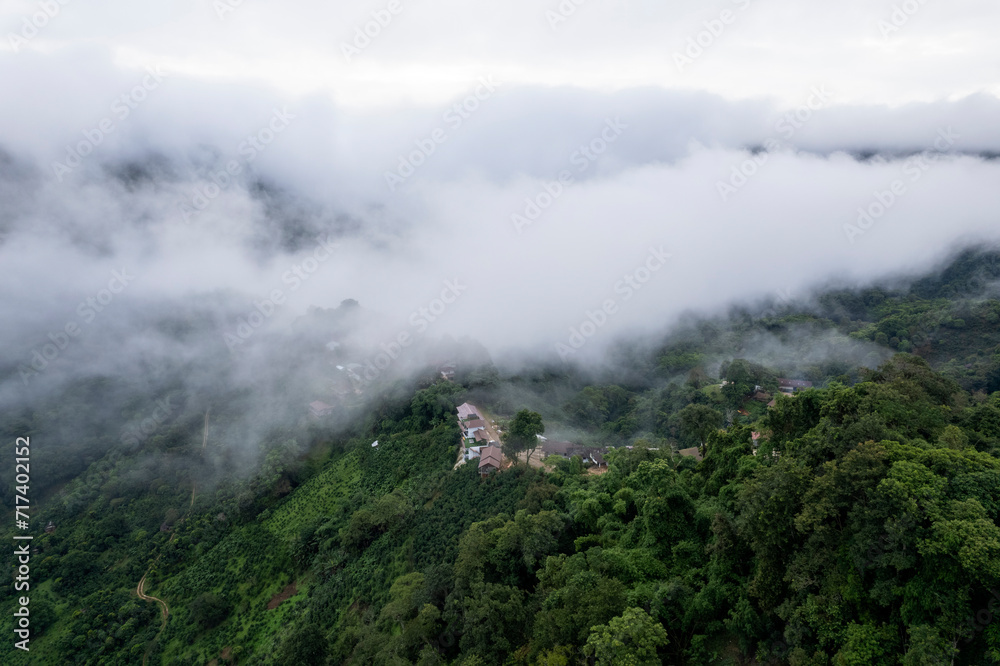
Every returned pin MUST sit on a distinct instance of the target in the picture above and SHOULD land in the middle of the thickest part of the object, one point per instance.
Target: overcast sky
(544, 155)
(429, 52)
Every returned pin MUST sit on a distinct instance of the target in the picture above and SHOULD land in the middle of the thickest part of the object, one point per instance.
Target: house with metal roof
(490, 460)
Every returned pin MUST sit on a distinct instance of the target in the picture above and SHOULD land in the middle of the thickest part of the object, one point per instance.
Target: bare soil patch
(283, 596)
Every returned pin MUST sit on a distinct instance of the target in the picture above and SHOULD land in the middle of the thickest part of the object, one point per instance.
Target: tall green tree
(631, 639)
(522, 434)
(697, 422)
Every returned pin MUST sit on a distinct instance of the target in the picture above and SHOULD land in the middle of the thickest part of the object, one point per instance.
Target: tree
(522, 434)
(742, 377)
(208, 610)
(404, 598)
(697, 422)
(493, 622)
(953, 438)
(306, 645)
(993, 378)
(576, 605)
(631, 639)
(927, 647)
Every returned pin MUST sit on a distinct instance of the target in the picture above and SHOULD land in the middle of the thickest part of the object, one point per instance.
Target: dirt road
(139, 589)
(536, 458)
(145, 597)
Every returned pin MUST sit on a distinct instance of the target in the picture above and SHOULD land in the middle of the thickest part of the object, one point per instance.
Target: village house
(490, 460)
(790, 386)
(467, 411)
(472, 426)
(562, 449)
(479, 441)
(319, 409)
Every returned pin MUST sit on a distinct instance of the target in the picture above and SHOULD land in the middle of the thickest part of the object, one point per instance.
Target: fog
(541, 205)
(186, 171)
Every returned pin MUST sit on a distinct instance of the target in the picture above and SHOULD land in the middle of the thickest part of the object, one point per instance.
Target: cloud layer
(181, 182)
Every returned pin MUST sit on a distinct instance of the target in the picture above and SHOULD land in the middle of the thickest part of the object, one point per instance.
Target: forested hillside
(854, 522)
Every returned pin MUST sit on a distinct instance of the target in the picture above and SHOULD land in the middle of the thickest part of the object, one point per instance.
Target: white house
(467, 411)
(473, 426)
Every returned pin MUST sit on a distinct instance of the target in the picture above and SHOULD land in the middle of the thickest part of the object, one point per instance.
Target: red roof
(551, 448)
(490, 456)
(465, 410)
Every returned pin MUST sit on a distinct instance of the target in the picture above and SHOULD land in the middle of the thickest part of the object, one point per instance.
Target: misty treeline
(860, 528)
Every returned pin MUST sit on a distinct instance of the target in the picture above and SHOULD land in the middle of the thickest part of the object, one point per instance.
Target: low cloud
(215, 215)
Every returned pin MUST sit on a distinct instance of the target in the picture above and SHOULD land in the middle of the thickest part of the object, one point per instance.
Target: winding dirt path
(165, 610)
(146, 597)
